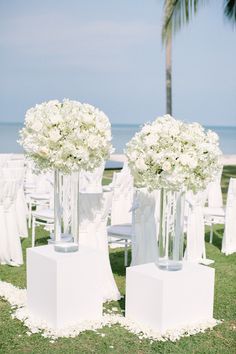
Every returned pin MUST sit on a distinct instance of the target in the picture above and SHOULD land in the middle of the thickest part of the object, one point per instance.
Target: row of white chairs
(143, 231)
(130, 221)
(13, 209)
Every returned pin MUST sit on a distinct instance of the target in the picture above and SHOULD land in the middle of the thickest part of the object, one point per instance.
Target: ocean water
(9, 134)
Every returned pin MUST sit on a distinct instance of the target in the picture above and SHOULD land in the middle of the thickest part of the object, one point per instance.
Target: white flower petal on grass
(17, 297)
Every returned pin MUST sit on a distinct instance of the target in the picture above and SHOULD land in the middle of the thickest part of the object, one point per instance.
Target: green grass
(222, 340)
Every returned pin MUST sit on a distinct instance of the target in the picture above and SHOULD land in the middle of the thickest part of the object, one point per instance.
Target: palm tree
(176, 14)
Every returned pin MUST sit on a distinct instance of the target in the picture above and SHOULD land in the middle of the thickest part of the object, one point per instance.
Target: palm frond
(176, 14)
(230, 10)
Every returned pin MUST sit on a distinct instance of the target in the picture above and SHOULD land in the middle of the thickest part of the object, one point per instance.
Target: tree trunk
(168, 76)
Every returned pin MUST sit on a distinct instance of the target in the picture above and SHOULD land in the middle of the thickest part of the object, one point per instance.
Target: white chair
(91, 182)
(21, 205)
(39, 196)
(226, 216)
(195, 248)
(4, 249)
(142, 233)
(121, 235)
(19, 163)
(122, 200)
(43, 217)
(214, 198)
(145, 227)
(93, 215)
(229, 237)
(214, 192)
(121, 216)
(17, 157)
(8, 205)
(3, 159)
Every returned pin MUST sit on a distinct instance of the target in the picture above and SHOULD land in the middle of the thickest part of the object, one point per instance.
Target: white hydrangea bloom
(68, 136)
(171, 154)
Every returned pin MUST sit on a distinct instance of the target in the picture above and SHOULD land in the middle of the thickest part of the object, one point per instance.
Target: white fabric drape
(145, 227)
(229, 237)
(91, 182)
(93, 213)
(10, 251)
(20, 204)
(195, 250)
(122, 197)
(214, 192)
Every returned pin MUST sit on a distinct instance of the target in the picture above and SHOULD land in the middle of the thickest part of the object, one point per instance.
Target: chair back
(122, 200)
(93, 215)
(3, 159)
(214, 192)
(91, 182)
(17, 173)
(145, 225)
(15, 163)
(195, 249)
(8, 192)
(229, 237)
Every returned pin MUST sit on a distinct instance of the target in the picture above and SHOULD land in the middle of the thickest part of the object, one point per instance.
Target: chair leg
(211, 234)
(33, 231)
(126, 253)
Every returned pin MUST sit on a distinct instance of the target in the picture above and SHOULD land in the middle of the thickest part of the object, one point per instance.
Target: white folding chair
(15, 163)
(93, 215)
(122, 200)
(43, 217)
(214, 192)
(91, 182)
(119, 230)
(229, 237)
(9, 188)
(121, 234)
(195, 248)
(39, 196)
(224, 215)
(145, 222)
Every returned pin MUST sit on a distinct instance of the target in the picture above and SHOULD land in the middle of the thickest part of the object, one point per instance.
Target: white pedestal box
(63, 288)
(163, 300)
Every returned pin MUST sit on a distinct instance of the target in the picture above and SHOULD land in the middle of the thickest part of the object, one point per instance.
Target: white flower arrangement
(67, 136)
(173, 155)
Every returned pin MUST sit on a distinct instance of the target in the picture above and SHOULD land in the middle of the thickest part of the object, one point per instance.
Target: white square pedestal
(63, 288)
(163, 300)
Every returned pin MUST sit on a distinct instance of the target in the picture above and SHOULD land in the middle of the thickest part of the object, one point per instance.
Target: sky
(109, 53)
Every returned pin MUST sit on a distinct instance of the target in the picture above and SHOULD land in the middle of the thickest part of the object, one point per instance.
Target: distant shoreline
(227, 160)
(136, 125)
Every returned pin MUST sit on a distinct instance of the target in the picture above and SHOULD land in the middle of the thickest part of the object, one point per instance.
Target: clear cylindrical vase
(66, 212)
(57, 206)
(75, 206)
(171, 230)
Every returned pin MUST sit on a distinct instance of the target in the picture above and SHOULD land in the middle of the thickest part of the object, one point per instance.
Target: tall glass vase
(66, 212)
(171, 230)
(57, 206)
(75, 206)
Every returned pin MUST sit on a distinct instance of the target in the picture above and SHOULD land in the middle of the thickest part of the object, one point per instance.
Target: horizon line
(133, 124)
